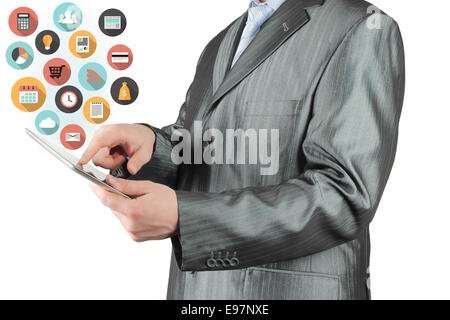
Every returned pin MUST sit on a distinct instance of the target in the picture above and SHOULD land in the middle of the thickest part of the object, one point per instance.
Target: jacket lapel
(226, 51)
(287, 20)
(201, 88)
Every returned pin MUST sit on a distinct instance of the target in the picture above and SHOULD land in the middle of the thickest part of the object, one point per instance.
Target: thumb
(138, 159)
(130, 187)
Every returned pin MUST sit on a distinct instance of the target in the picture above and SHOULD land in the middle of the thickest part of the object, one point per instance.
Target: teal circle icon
(92, 76)
(19, 55)
(68, 16)
(47, 122)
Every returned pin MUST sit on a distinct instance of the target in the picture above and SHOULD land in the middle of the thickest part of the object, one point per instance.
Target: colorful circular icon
(67, 16)
(112, 22)
(82, 44)
(28, 94)
(124, 91)
(47, 42)
(96, 110)
(120, 57)
(23, 21)
(69, 99)
(57, 72)
(19, 55)
(92, 76)
(73, 137)
(47, 122)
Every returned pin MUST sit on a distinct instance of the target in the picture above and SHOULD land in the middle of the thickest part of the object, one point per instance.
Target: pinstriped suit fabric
(334, 89)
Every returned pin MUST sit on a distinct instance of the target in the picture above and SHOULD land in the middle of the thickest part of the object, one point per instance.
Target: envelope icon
(73, 137)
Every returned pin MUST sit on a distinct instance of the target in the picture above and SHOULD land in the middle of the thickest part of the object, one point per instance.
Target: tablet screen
(92, 174)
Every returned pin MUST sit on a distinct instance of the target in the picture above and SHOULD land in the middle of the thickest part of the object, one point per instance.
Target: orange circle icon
(96, 110)
(82, 44)
(28, 94)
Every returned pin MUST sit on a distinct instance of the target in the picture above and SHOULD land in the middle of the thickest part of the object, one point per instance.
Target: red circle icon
(120, 57)
(23, 21)
(57, 72)
(73, 137)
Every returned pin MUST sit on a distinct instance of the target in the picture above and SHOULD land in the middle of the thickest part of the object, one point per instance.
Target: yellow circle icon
(28, 94)
(96, 110)
(82, 44)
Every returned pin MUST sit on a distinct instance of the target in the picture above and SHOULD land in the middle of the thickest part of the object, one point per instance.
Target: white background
(57, 241)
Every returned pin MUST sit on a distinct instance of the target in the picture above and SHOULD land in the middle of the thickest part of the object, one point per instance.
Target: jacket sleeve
(349, 148)
(161, 168)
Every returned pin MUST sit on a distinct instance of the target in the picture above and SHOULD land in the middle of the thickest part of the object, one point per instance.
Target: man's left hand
(153, 215)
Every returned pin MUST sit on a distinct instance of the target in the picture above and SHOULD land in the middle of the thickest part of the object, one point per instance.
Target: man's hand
(153, 215)
(112, 144)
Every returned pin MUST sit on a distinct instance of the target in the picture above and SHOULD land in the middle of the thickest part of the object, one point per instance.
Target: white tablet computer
(88, 172)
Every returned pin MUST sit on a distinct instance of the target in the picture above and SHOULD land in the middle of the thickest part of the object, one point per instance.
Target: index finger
(101, 139)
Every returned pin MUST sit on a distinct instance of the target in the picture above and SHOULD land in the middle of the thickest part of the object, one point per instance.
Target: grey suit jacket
(332, 82)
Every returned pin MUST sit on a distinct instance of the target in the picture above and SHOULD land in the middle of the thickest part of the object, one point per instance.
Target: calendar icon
(23, 21)
(28, 95)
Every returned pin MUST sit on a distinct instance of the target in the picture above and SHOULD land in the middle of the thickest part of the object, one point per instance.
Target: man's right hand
(113, 143)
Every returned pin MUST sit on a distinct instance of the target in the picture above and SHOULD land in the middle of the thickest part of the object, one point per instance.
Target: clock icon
(69, 99)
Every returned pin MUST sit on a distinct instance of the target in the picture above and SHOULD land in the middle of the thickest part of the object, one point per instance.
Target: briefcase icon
(73, 137)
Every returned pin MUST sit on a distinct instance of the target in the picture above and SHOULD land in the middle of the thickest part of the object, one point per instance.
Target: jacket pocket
(268, 108)
(271, 284)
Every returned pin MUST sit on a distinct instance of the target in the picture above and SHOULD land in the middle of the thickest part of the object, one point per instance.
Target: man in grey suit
(276, 165)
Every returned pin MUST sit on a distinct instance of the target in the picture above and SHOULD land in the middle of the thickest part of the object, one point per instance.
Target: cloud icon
(47, 123)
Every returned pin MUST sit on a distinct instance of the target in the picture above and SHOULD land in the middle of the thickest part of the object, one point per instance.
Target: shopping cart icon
(56, 71)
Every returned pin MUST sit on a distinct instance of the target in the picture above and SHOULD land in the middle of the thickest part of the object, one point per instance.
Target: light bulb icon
(47, 40)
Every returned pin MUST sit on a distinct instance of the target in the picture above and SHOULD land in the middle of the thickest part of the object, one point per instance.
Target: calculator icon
(23, 21)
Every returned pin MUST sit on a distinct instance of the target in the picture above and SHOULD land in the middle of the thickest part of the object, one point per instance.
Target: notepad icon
(96, 110)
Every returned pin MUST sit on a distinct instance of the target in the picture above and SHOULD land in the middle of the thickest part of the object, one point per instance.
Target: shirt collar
(274, 4)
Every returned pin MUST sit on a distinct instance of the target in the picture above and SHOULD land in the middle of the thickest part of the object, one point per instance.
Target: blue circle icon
(68, 16)
(47, 122)
(92, 76)
(19, 55)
